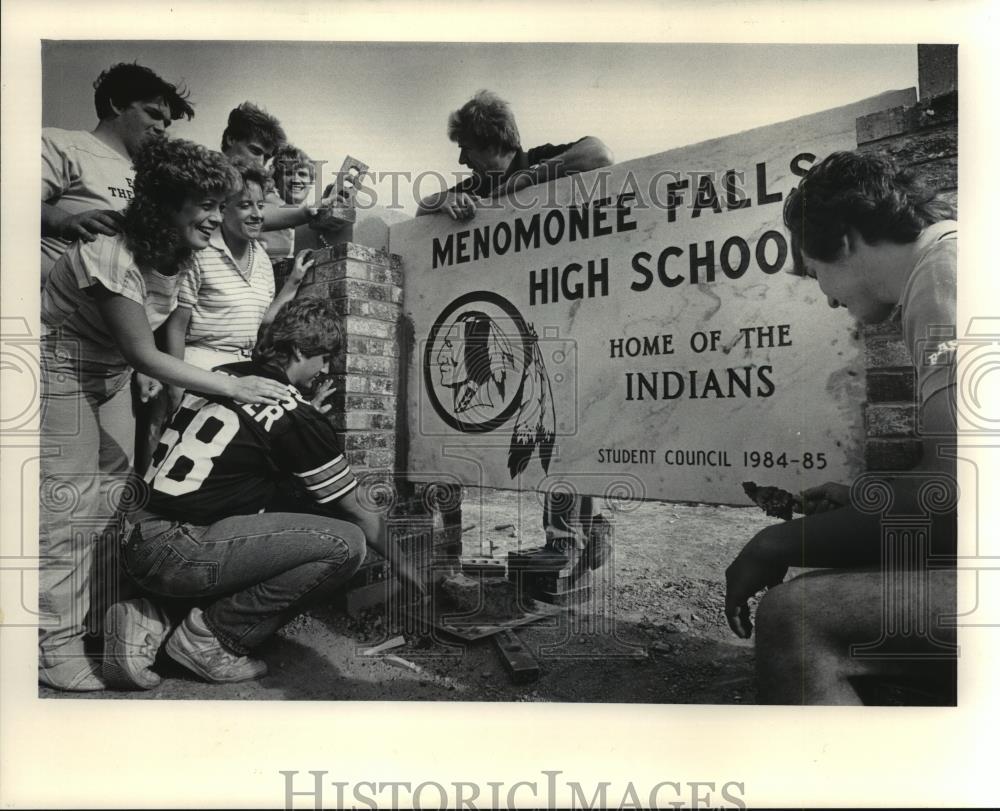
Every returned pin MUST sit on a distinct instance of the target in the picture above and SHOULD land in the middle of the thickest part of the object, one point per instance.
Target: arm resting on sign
(583, 156)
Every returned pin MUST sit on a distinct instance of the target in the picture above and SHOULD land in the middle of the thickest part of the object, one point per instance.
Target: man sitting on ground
(878, 242)
(204, 535)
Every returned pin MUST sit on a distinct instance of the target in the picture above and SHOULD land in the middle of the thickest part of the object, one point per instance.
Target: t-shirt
(484, 185)
(927, 309)
(227, 303)
(218, 458)
(80, 173)
(280, 244)
(70, 310)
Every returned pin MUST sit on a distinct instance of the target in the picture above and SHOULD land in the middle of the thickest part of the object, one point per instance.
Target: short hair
(168, 173)
(864, 191)
(124, 83)
(486, 120)
(309, 324)
(249, 122)
(250, 172)
(287, 159)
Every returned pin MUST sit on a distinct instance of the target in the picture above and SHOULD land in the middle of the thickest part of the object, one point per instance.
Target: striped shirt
(227, 304)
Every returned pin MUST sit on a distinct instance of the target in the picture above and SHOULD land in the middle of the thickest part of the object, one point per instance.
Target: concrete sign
(633, 332)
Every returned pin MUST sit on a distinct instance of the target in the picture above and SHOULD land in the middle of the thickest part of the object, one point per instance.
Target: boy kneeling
(204, 535)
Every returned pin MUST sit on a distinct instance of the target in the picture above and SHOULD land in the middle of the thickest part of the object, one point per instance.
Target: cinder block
(886, 353)
(894, 386)
(892, 454)
(890, 420)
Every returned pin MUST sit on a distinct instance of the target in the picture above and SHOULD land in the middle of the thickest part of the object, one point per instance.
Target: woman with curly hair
(101, 303)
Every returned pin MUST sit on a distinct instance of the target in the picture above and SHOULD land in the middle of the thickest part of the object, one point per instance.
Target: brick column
(924, 137)
(366, 288)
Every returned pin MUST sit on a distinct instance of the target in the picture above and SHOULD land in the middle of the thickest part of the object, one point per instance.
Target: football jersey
(218, 458)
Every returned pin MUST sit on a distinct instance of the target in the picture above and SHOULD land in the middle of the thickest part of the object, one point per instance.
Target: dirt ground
(652, 631)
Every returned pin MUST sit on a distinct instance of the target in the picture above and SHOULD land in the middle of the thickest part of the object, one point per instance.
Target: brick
(381, 310)
(882, 353)
(358, 459)
(354, 325)
(890, 420)
(385, 404)
(329, 272)
(887, 328)
(351, 250)
(358, 421)
(370, 365)
(356, 440)
(351, 384)
(383, 421)
(356, 288)
(381, 458)
(890, 386)
(892, 454)
(382, 385)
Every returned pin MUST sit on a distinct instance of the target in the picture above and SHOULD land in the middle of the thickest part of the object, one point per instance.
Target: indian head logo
(483, 370)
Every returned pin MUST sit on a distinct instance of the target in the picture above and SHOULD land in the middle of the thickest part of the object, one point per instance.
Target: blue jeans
(262, 569)
(86, 439)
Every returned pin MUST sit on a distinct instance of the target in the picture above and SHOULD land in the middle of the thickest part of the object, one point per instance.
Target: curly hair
(867, 192)
(486, 120)
(124, 83)
(169, 173)
(287, 160)
(309, 324)
(249, 172)
(248, 122)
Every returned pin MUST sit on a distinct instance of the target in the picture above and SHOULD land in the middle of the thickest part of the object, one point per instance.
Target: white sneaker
(197, 648)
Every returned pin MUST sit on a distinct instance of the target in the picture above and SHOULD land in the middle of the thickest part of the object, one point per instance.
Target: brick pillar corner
(366, 287)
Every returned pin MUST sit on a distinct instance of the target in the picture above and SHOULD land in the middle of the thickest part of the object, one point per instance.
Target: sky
(388, 103)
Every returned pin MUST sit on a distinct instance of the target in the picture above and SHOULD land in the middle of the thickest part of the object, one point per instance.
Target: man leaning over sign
(490, 145)
(882, 245)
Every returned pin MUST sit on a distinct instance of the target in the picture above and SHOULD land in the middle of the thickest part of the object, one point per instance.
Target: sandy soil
(652, 630)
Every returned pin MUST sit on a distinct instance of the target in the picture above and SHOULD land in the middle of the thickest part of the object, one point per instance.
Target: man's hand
(148, 387)
(829, 496)
(323, 392)
(460, 206)
(751, 572)
(87, 225)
